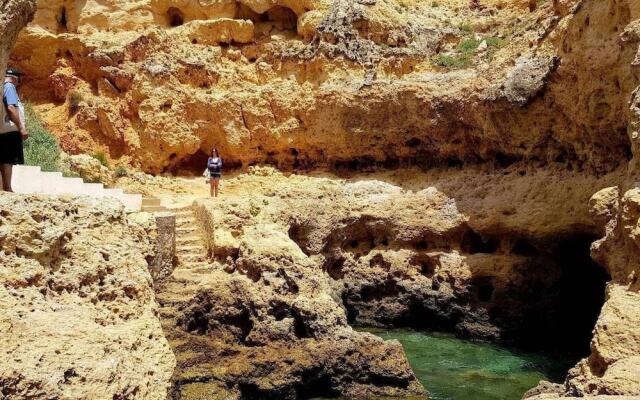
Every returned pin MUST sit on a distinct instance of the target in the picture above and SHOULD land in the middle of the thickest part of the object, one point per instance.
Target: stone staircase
(153, 205)
(191, 250)
(32, 180)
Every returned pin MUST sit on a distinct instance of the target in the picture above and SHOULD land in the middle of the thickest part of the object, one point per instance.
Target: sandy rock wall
(342, 83)
(613, 367)
(79, 315)
(14, 15)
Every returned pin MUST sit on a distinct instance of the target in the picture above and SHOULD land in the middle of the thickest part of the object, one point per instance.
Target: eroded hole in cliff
(175, 17)
(276, 19)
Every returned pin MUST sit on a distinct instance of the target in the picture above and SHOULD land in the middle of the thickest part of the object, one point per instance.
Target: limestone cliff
(78, 314)
(519, 111)
(14, 15)
(343, 83)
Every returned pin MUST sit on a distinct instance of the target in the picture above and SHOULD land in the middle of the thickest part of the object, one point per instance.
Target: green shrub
(466, 27)
(102, 157)
(42, 148)
(75, 98)
(454, 62)
(121, 171)
(495, 42)
(469, 45)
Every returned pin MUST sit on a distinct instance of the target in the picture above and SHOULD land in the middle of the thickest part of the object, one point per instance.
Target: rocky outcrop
(369, 252)
(89, 168)
(613, 367)
(14, 15)
(79, 311)
(266, 323)
(294, 83)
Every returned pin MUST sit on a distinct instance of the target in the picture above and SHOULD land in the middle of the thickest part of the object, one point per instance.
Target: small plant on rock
(75, 98)
(42, 148)
(466, 28)
(495, 42)
(121, 171)
(469, 45)
(452, 61)
(102, 157)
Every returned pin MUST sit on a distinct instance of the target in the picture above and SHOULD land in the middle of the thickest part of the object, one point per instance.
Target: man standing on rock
(13, 129)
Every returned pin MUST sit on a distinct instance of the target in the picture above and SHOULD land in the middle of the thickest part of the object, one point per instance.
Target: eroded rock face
(87, 167)
(613, 366)
(297, 259)
(344, 83)
(14, 15)
(78, 308)
(267, 324)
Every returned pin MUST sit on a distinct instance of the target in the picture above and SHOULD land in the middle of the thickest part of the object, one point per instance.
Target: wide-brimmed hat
(16, 73)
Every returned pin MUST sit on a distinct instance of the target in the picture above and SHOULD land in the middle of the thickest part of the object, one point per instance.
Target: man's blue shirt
(10, 94)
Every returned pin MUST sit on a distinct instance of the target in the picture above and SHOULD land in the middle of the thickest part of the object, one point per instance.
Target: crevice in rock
(62, 21)
(317, 384)
(474, 243)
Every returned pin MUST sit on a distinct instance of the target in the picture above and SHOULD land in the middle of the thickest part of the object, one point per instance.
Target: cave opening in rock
(562, 312)
(537, 295)
(194, 164)
(191, 165)
(175, 17)
(278, 18)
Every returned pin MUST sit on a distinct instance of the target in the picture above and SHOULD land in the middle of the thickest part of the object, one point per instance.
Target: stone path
(191, 250)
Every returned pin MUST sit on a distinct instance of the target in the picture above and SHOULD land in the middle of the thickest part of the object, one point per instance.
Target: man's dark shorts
(11, 148)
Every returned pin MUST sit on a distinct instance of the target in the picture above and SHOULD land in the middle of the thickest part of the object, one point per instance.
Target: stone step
(188, 250)
(152, 209)
(150, 202)
(32, 180)
(186, 230)
(189, 241)
(94, 189)
(194, 250)
(192, 258)
(186, 224)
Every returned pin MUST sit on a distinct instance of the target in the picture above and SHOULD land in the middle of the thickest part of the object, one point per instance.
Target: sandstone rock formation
(375, 254)
(14, 15)
(268, 325)
(521, 110)
(343, 83)
(79, 312)
(88, 168)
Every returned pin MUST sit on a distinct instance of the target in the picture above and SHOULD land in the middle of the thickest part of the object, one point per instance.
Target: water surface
(456, 369)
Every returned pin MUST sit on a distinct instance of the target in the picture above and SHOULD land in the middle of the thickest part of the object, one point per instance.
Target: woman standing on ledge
(214, 165)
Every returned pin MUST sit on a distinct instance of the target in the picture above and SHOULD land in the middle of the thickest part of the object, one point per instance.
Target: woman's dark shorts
(11, 148)
(216, 175)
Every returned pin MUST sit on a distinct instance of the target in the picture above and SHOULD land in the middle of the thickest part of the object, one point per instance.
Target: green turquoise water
(456, 369)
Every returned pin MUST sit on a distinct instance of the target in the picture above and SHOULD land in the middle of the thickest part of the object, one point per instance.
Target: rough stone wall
(79, 316)
(264, 321)
(161, 231)
(14, 15)
(354, 84)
